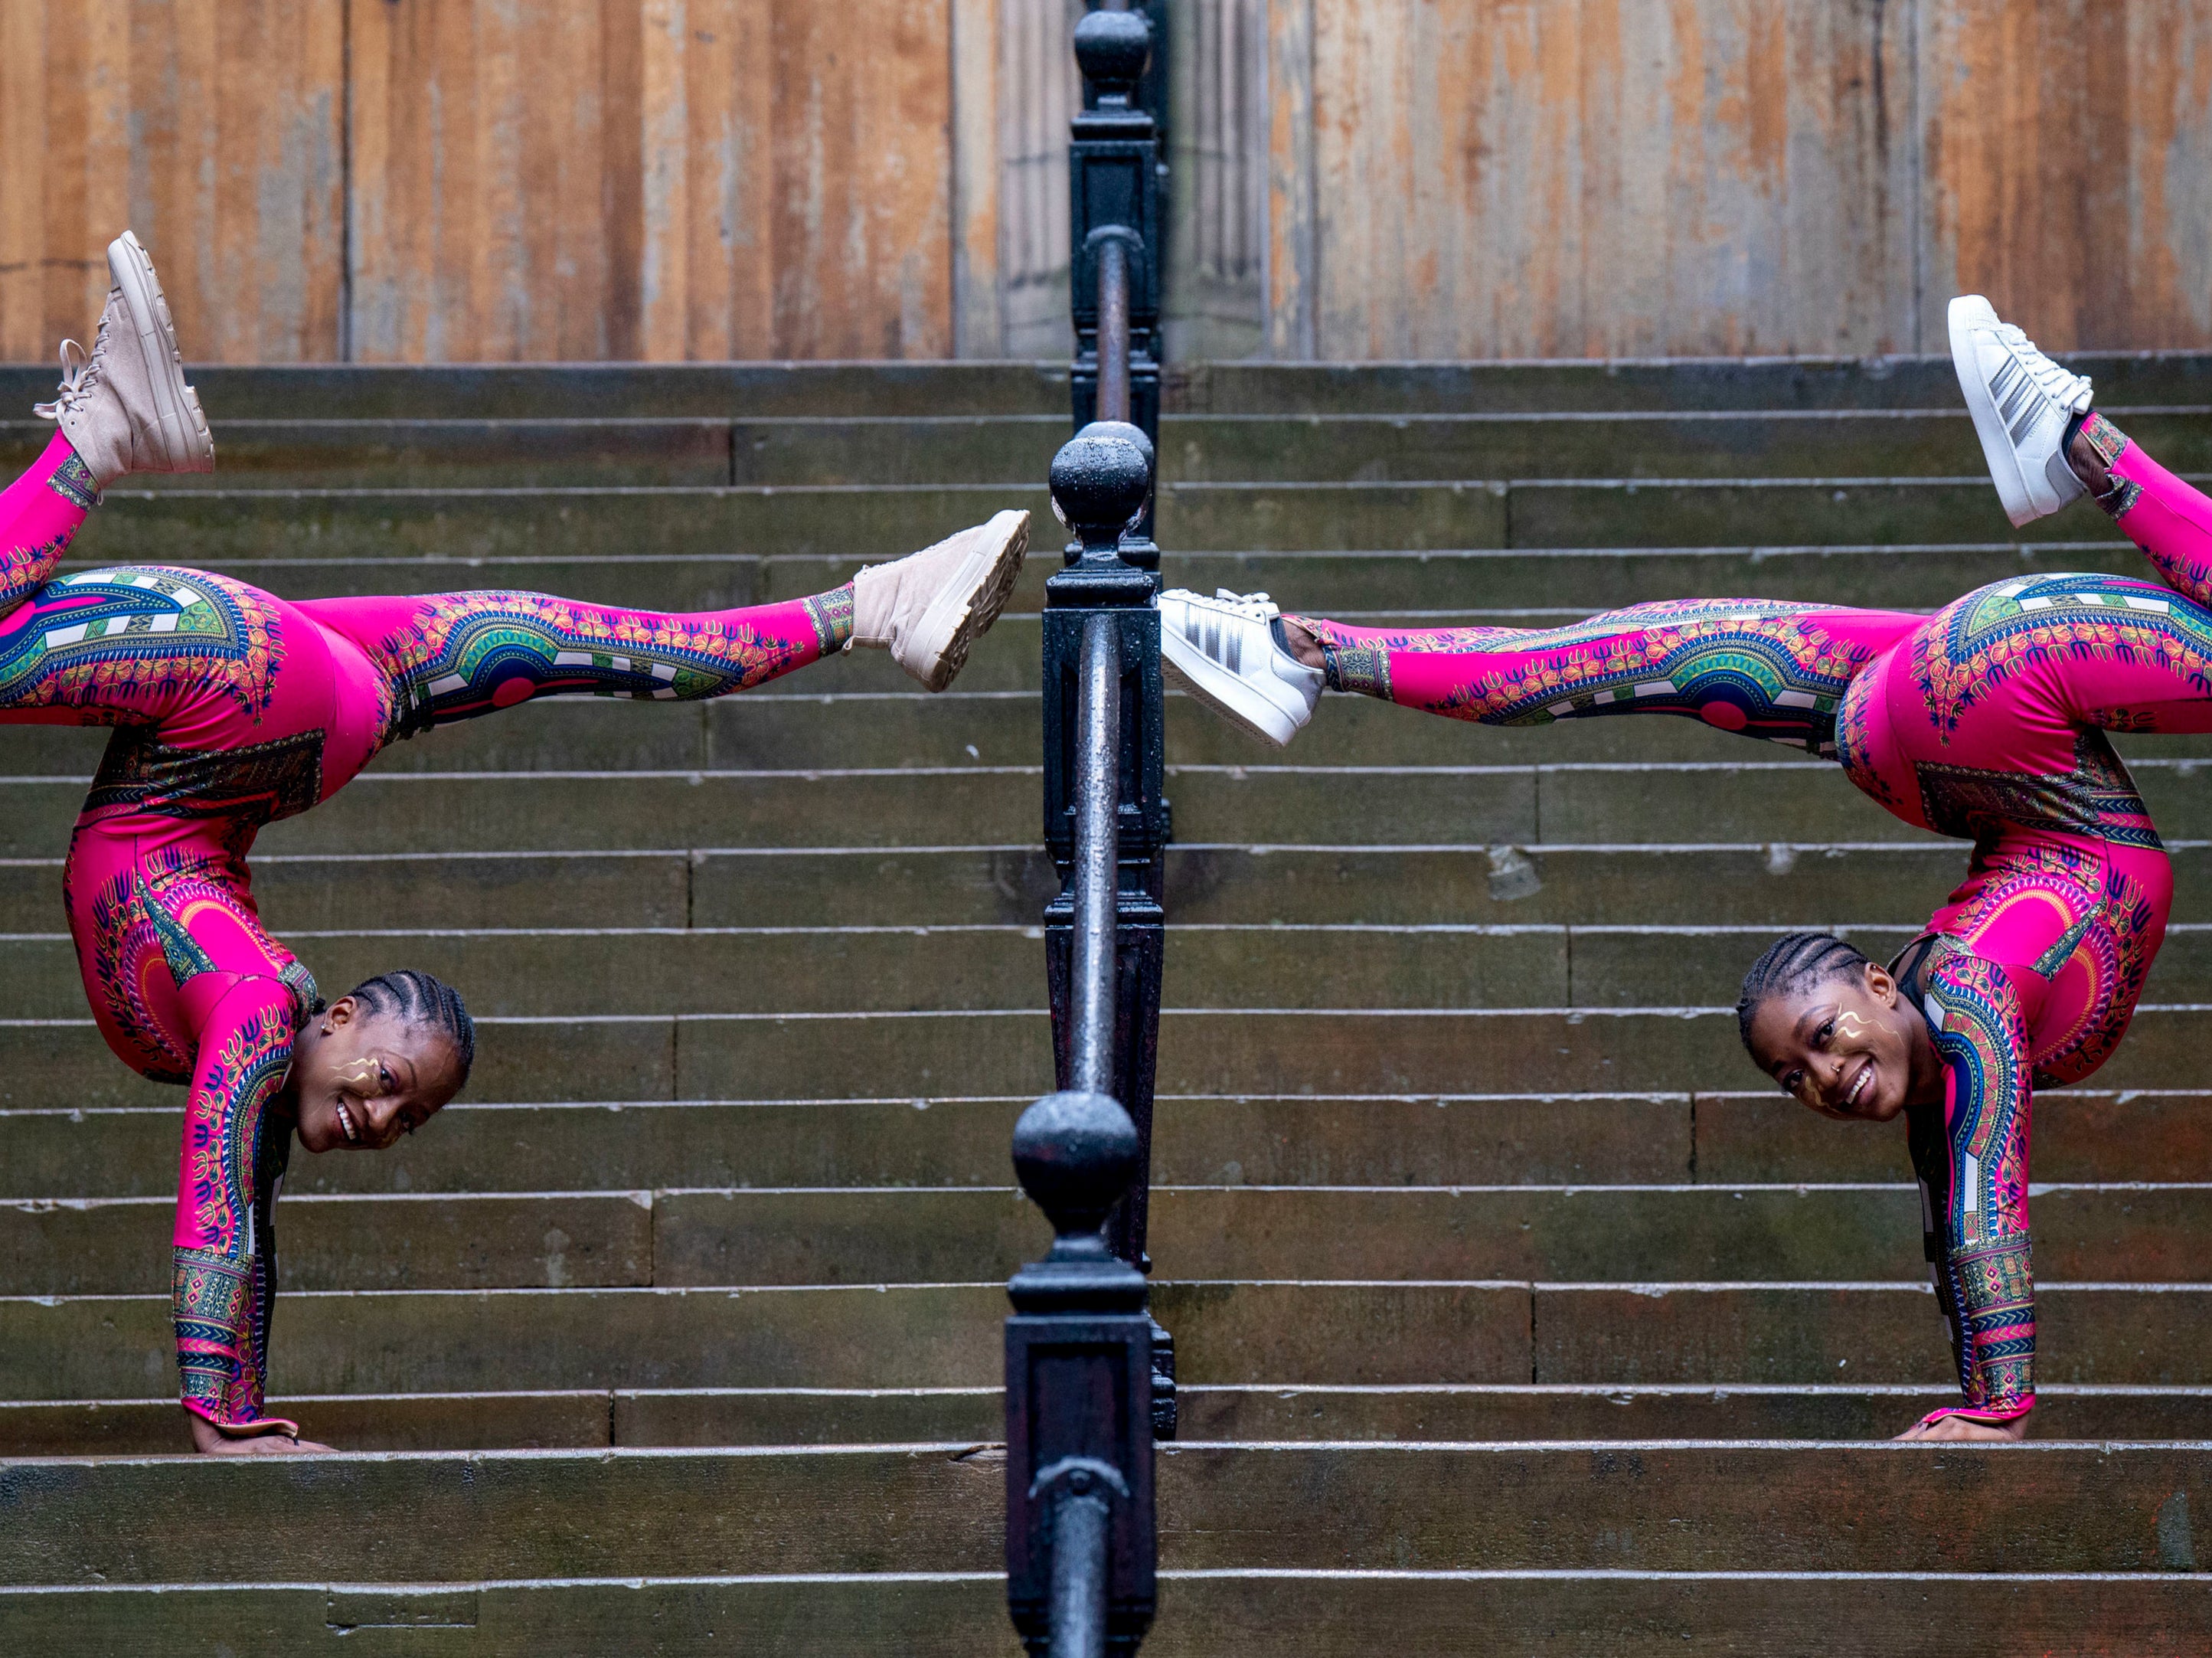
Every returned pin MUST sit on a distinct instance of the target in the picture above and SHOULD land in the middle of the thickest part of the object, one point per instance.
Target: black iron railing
(1090, 1374)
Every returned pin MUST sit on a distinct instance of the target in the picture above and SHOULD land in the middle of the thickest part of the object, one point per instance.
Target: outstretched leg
(39, 513)
(452, 656)
(2169, 519)
(1762, 666)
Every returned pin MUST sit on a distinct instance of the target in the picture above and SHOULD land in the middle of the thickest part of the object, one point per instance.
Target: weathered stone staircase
(1511, 1319)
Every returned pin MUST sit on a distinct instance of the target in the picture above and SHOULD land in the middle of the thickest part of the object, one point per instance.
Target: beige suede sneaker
(928, 607)
(127, 408)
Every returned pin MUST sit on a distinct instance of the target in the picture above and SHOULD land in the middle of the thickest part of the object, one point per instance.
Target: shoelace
(78, 379)
(2047, 375)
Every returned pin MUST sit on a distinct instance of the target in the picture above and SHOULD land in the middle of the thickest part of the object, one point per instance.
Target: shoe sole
(180, 427)
(1989, 425)
(971, 602)
(1224, 692)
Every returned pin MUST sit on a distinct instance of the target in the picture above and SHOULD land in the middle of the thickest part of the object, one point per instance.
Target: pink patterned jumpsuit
(1985, 721)
(234, 709)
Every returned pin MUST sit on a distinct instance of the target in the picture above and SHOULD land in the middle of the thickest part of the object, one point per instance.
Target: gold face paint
(1851, 1025)
(362, 1073)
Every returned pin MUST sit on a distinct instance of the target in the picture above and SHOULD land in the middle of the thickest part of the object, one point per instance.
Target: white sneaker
(2021, 402)
(928, 607)
(1224, 649)
(127, 408)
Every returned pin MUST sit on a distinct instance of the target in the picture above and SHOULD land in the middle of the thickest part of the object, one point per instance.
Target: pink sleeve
(225, 1279)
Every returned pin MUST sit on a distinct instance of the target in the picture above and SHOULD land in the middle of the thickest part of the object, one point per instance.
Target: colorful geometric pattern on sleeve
(224, 1283)
(1975, 1172)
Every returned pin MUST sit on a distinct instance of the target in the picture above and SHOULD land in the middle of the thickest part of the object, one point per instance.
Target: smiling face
(360, 1079)
(1850, 1047)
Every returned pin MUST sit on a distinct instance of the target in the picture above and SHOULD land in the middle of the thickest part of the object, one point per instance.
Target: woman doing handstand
(234, 709)
(1986, 720)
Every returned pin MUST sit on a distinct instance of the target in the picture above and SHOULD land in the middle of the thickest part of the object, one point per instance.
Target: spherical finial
(1099, 484)
(1127, 431)
(1075, 1155)
(1112, 47)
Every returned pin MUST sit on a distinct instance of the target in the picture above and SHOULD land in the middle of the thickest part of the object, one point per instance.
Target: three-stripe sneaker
(2022, 403)
(1225, 650)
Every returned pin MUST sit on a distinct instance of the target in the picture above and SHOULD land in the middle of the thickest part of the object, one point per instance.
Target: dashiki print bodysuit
(1986, 720)
(233, 709)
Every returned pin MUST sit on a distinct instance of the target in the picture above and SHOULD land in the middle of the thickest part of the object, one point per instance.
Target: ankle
(1298, 640)
(2093, 445)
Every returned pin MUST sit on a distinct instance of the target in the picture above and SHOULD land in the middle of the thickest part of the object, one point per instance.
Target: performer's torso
(233, 709)
(1985, 724)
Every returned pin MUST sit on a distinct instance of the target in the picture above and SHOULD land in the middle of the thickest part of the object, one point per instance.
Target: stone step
(513, 973)
(979, 806)
(1517, 588)
(56, 1064)
(1273, 1332)
(1604, 1613)
(1777, 884)
(1654, 385)
(1615, 1613)
(1704, 802)
(1660, 1506)
(219, 527)
(2086, 1135)
(2134, 1234)
(431, 453)
(598, 391)
(512, 391)
(786, 727)
(639, 1418)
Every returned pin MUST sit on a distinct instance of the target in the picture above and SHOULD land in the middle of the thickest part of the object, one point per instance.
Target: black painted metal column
(1090, 1374)
(1117, 229)
(1100, 482)
(1080, 1543)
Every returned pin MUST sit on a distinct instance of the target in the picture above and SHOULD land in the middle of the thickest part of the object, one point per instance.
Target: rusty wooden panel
(664, 179)
(2068, 149)
(707, 282)
(978, 322)
(211, 129)
(488, 222)
(1499, 177)
(862, 141)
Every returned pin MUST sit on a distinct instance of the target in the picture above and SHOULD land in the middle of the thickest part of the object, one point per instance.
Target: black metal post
(1100, 481)
(1115, 199)
(1097, 856)
(1080, 1539)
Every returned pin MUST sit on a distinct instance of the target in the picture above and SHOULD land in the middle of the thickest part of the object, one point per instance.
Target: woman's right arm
(1974, 1176)
(225, 1277)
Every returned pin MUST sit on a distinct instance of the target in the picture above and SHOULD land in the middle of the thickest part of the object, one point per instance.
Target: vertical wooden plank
(664, 286)
(705, 263)
(978, 322)
(734, 171)
(2054, 136)
(24, 142)
(1600, 177)
(1293, 232)
(1040, 90)
(2168, 257)
(863, 213)
(620, 161)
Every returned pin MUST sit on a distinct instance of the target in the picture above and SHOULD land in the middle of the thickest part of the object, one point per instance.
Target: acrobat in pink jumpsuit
(1985, 721)
(233, 709)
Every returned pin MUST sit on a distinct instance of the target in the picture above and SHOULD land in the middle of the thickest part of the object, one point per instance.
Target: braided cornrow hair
(422, 1000)
(1795, 961)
